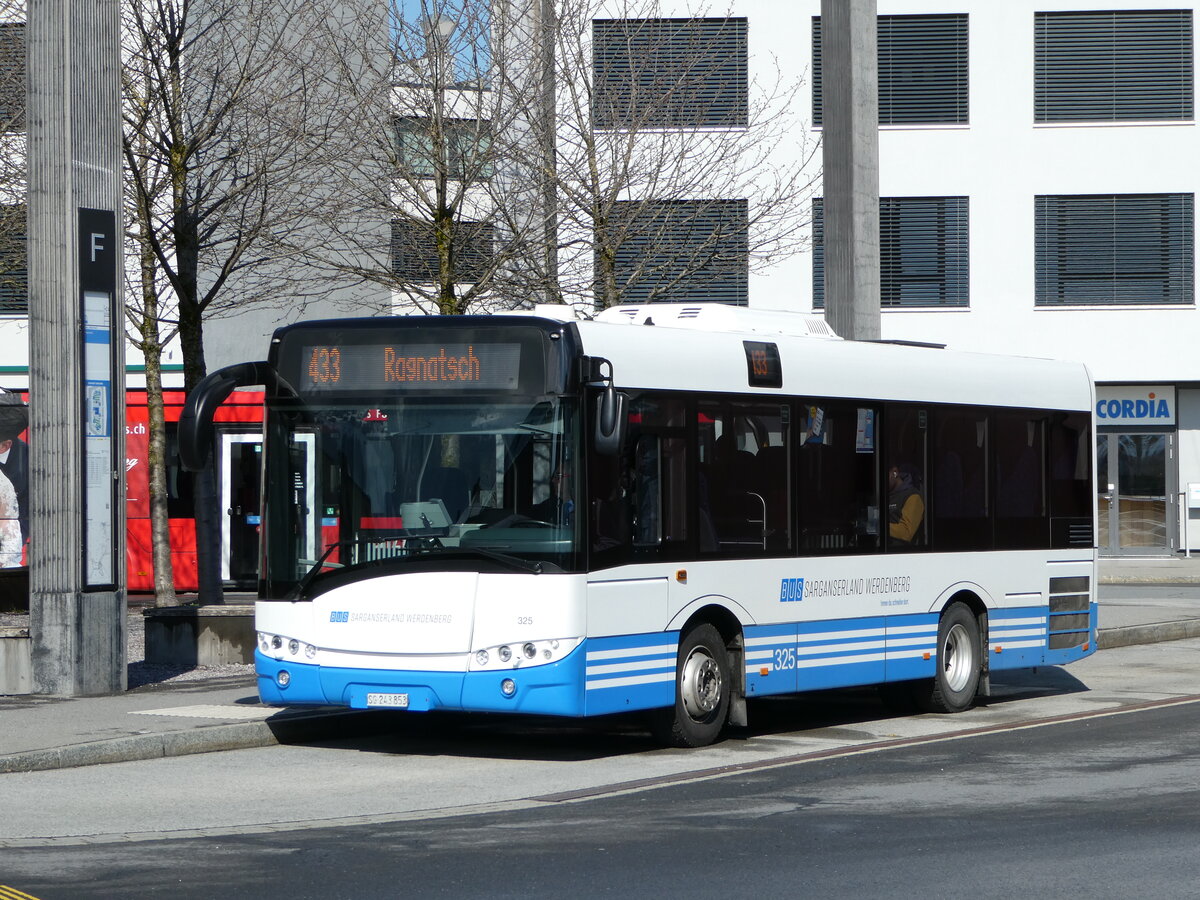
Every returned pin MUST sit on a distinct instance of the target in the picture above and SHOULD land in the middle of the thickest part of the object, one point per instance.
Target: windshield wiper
(318, 563)
(535, 568)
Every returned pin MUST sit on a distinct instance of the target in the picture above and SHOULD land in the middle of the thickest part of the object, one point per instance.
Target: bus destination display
(426, 366)
(762, 364)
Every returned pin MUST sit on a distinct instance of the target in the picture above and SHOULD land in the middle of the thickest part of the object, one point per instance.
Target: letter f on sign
(96, 245)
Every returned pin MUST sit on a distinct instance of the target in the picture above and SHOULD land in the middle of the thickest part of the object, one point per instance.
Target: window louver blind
(683, 250)
(1113, 65)
(923, 70)
(1114, 249)
(669, 73)
(414, 251)
(924, 251)
(14, 259)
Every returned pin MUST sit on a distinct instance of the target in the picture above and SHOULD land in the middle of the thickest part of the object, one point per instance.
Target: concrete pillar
(77, 530)
(850, 146)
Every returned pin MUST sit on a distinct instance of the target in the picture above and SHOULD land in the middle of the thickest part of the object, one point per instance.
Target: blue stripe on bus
(630, 672)
(839, 653)
(1017, 638)
(634, 672)
(552, 689)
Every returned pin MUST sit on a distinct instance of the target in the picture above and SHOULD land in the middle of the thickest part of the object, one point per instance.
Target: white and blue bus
(671, 509)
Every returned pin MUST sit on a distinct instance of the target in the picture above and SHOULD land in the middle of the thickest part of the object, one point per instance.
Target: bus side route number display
(441, 366)
(762, 364)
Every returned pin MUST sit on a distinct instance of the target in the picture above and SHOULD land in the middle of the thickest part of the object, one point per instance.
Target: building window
(669, 73)
(672, 251)
(922, 70)
(1114, 249)
(467, 145)
(14, 260)
(415, 257)
(924, 257)
(12, 77)
(1113, 66)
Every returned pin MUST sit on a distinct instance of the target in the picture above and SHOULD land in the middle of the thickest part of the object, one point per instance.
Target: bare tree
(677, 161)
(213, 92)
(422, 198)
(14, 279)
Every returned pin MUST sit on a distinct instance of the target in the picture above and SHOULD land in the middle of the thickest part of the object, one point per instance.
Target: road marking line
(527, 803)
(11, 893)
(779, 762)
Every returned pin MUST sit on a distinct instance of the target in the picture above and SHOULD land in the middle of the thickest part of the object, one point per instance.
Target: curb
(1149, 579)
(313, 726)
(1128, 635)
(294, 728)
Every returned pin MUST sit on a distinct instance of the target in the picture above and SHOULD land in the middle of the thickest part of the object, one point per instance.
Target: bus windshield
(474, 482)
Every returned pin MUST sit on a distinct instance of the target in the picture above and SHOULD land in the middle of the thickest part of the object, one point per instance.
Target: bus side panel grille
(1068, 603)
(1068, 639)
(1070, 611)
(1067, 531)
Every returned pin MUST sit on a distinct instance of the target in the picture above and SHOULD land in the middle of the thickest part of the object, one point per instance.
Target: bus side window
(957, 504)
(1022, 520)
(647, 491)
(838, 478)
(906, 519)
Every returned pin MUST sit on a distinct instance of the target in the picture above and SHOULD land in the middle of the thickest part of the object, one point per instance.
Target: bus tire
(702, 691)
(959, 661)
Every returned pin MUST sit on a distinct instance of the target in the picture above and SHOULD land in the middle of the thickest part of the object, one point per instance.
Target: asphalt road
(1078, 780)
(1107, 806)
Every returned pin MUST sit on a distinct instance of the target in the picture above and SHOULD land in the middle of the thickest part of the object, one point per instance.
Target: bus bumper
(554, 689)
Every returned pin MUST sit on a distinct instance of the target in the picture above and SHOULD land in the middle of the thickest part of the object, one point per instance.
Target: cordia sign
(1141, 405)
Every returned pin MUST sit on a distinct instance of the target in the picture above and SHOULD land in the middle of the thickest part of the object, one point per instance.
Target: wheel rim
(700, 684)
(958, 658)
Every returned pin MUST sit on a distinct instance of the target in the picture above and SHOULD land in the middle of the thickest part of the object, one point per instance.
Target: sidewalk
(1151, 570)
(223, 713)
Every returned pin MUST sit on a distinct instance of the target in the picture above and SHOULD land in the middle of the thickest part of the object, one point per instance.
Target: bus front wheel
(959, 663)
(702, 690)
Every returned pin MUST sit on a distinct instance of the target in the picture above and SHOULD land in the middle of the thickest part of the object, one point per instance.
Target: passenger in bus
(906, 507)
(558, 508)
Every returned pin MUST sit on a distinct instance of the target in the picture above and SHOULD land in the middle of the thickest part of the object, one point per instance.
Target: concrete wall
(16, 670)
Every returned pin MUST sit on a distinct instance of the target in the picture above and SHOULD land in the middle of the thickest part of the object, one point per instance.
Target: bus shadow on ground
(826, 714)
(834, 713)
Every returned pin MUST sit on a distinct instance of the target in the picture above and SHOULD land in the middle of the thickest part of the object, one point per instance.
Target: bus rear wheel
(702, 691)
(959, 663)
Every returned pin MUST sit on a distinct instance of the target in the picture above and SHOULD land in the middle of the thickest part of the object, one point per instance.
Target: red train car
(238, 449)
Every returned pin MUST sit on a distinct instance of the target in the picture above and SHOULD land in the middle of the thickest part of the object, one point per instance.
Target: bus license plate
(396, 701)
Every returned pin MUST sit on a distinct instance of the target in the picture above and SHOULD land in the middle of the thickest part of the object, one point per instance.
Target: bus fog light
(481, 657)
(505, 653)
(529, 650)
(293, 646)
(508, 687)
(283, 678)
